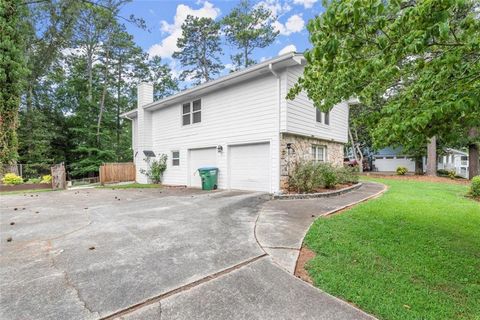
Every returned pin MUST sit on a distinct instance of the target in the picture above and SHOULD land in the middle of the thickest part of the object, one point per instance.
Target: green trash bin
(209, 176)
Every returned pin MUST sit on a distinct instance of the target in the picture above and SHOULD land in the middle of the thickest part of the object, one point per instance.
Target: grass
(132, 186)
(413, 253)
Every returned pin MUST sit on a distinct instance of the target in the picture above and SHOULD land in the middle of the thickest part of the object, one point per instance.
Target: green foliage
(304, 178)
(346, 175)
(246, 28)
(308, 176)
(11, 179)
(156, 168)
(475, 188)
(199, 49)
(413, 65)
(33, 181)
(12, 72)
(401, 171)
(46, 179)
(327, 175)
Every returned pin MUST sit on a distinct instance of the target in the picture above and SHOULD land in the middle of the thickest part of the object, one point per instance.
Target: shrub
(347, 175)
(442, 172)
(327, 175)
(33, 180)
(401, 171)
(452, 174)
(11, 178)
(303, 178)
(46, 179)
(156, 169)
(475, 188)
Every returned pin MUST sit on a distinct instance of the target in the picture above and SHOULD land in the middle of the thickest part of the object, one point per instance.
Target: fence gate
(59, 177)
(117, 172)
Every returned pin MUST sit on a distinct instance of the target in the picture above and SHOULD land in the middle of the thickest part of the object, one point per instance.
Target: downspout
(279, 105)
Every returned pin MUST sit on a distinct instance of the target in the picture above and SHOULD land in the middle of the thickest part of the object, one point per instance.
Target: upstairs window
(192, 112)
(319, 153)
(321, 117)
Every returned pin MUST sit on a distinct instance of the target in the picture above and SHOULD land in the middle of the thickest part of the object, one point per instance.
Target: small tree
(156, 168)
(247, 28)
(199, 49)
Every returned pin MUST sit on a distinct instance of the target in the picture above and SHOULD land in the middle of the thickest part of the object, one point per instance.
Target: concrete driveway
(152, 254)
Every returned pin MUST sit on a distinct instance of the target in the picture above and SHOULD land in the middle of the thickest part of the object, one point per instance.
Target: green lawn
(413, 253)
(5, 193)
(132, 186)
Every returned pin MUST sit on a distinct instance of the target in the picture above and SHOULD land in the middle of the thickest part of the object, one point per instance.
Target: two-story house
(241, 123)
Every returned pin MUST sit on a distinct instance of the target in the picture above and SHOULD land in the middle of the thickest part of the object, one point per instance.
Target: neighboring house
(454, 160)
(389, 159)
(240, 123)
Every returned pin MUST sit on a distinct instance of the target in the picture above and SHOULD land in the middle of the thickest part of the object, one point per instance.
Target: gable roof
(285, 60)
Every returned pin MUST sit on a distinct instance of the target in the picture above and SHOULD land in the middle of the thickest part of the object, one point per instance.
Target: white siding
(300, 115)
(243, 113)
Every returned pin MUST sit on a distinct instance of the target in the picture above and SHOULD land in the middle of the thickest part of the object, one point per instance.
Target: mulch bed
(25, 186)
(419, 178)
(320, 190)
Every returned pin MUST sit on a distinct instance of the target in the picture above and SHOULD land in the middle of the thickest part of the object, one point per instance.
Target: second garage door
(201, 158)
(250, 167)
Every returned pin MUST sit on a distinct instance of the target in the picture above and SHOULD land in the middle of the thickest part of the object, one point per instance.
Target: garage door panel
(201, 158)
(387, 165)
(250, 167)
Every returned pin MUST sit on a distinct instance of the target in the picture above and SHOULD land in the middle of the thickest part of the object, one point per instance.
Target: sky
(164, 19)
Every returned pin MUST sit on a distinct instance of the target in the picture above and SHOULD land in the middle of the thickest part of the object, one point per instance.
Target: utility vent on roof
(148, 153)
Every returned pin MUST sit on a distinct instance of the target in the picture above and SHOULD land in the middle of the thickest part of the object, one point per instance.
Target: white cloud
(287, 49)
(167, 47)
(294, 24)
(275, 6)
(306, 3)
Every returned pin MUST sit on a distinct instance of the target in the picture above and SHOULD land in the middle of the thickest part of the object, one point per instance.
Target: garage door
(201, 158)
(250, 167)
(387, 164)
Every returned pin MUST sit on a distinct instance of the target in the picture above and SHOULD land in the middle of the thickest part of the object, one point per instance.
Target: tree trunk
(432, 157)
(118, 103)
(418, 165)
(473, 169)
(357, 152)
(102, 100)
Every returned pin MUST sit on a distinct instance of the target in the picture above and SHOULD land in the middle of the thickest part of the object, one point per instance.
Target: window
(192, 112)
(319, 153)
(322, 117)
(175, 158)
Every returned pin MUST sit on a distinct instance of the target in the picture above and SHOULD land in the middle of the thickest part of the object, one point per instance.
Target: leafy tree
(12, 72)
(160, 74)
(247, 28)
(199, 49)
(418, 61)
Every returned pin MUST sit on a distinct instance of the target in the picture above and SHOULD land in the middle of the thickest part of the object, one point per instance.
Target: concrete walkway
(260, 288)
(282, 224)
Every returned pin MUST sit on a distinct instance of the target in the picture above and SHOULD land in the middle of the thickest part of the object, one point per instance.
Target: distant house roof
(389, 151)
(455, 151)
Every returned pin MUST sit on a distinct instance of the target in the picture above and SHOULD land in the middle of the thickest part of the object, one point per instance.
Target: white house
(241, 123)
(454, 160)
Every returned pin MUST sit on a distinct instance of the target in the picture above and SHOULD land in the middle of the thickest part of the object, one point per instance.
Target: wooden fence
(117, 172)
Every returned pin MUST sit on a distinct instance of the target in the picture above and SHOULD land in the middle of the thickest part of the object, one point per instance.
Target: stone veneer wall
(302, 147)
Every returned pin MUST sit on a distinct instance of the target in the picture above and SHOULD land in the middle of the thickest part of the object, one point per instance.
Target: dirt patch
(419, 178)
(300, 271)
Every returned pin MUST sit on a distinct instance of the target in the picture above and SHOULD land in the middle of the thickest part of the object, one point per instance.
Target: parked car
(350, 162)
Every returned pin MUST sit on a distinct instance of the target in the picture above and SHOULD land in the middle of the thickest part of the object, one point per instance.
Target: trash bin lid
(208, 168)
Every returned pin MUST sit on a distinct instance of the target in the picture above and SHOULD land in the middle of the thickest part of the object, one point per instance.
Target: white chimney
(144, 118)
(144, 94)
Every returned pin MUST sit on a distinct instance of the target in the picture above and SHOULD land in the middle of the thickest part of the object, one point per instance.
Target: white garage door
(250, 167)
(386, 164)
(201, 158)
